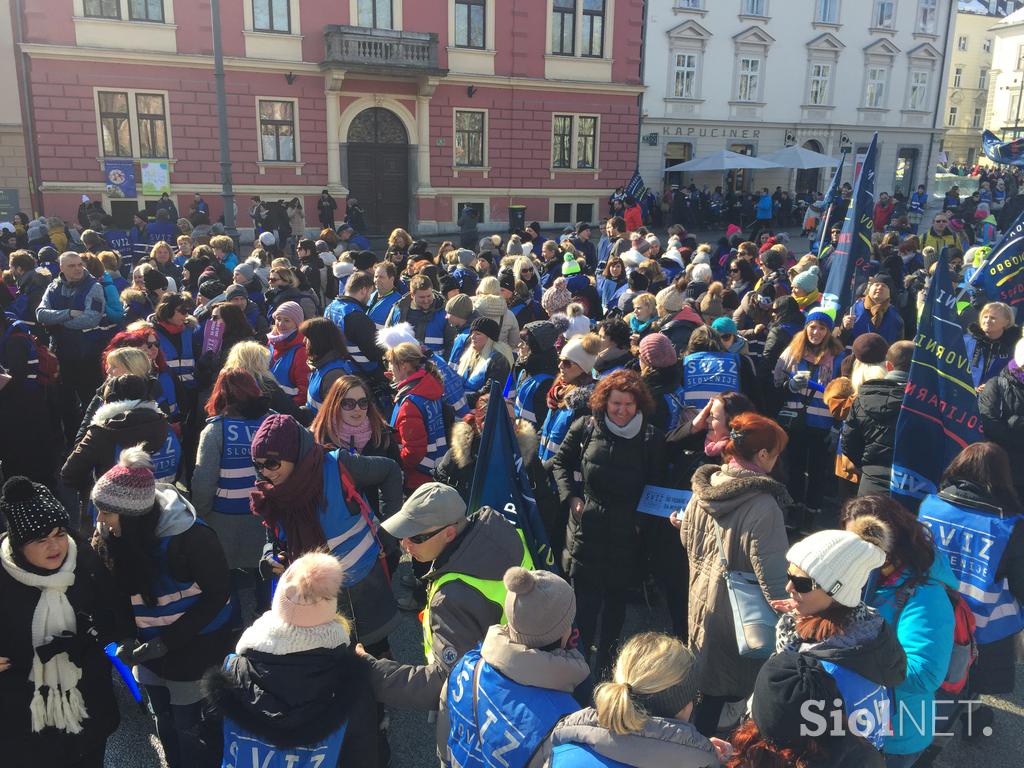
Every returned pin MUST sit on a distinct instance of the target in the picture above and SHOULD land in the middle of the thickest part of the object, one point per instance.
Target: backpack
(49, 366)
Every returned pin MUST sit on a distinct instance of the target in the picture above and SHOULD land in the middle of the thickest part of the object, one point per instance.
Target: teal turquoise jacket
(925, 630)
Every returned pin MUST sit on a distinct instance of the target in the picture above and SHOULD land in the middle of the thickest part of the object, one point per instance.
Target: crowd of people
(216, 465)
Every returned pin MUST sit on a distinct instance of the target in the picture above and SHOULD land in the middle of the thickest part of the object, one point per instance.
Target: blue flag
(1004, 152)
(635, 186)
(829, 202)
(939, 415)
(849, 262)
(500, 481)
(1001, 275)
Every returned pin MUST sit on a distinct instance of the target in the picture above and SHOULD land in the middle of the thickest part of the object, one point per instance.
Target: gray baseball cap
(431, 506)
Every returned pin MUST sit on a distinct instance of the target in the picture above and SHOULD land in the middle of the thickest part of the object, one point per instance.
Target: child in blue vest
(293, 694)
(520, 679)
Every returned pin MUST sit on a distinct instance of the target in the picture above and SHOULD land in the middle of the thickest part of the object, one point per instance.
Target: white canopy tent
(723, 160)
(801, 158)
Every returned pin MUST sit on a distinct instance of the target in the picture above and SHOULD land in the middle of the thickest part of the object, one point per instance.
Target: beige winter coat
(748, 507)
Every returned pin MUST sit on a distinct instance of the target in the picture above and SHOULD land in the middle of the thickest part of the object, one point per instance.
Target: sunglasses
(419, 538)
(153, 344)
(526, 272)
(802, 584)
(733, 270)
(272, 464)
(350, 404)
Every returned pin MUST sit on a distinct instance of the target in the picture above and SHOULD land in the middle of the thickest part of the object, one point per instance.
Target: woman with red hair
(601, 469)
(738, 502)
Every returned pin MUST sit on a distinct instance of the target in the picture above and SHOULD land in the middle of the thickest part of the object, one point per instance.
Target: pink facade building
(416, 107)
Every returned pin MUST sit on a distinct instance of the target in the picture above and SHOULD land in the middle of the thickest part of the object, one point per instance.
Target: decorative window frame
(474, 61)
(824, 49)
(752, 42)
(879, 54)
(578, 66)
(763, 17)
(280, 46)
(596, 170)
(817, 23)
(701, 10)
(133, 121)
(875, 29)
(923, 58)
(265, 164)
(125, 33)
(397, 14)
(687, 38)
(486, 167)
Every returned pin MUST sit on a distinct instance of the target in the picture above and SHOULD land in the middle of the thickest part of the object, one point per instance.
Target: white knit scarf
(63, 706)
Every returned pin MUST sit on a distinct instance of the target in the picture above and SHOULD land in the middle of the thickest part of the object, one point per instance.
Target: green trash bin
(516, 218)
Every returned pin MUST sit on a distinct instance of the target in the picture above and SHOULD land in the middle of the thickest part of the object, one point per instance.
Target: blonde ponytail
(616, 710)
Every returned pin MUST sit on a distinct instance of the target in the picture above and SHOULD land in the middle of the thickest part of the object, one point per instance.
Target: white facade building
(1005, 115)
(755, 75)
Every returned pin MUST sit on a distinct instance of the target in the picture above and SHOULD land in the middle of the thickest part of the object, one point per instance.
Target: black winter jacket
(296, 699)
(615, 470)
(869, 432)
(1001, 404)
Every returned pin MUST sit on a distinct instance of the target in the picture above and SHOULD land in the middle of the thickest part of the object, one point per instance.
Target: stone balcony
(381, 50)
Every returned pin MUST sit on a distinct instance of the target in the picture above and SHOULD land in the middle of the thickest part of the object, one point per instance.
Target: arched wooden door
(378, 169)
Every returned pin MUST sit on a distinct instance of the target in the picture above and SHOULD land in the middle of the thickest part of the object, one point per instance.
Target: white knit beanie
(839, 561)
(574, 351)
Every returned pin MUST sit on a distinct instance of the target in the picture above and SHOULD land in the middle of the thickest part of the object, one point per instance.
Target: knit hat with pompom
(128, 488)
(31, 510)
(307, 593)
(841, 561)
(540, 607)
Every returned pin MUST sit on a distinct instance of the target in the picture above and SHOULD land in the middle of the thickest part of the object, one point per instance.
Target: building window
(277, 131)
(827, 12)
(983, 79)
(689, 5)
(686, 76)
(103, 9)
(563, 213)
(750, 79)
(958, 74)
(986, 46)
(976, 120)
(574, 142)
(883, 13)
(115, 124)
(584, 211)
(469, 139)
(1020, 58)
(146, 10)
(152, 123)
(951, 120)
(918, 90)
(875, 95)
(563, 27)
(375, 14)
(470, 20)
(592, 41)
(754, 8)
(926, 16)
(478, 208)
(271, 16)
(821, 75)
(961, 43)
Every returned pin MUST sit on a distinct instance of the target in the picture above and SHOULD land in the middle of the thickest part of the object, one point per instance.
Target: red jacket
(412, 432)
(298, 372)
(882, 214)
(634, 217)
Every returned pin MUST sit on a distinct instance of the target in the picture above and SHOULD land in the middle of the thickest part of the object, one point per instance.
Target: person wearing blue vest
(916, 206)
(172, 566)
(224, 475)
(826, 618)
(311, 498)
(977, 523)
(874, 313)
(990, 341)
(659, 368)
(293, 694)
(179, 340)
(538, 366)
(459, 313)
(348, 312)
(506, 695)
(911, 594)
(777, 732)
(802, 372)
(708, 370)
(71, 310)
(327, 356)
(423, 308)
(385, 294)
(486, 359)
(24, 407)
(418, 416)
(454, 387)
(569, 396)
(640, 717)
(288, 356)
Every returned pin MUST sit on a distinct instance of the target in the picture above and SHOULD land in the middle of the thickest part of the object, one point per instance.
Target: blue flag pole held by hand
(829, 202)
(939, 414)
(1003, 152)
(125, 672)
(500, 481)
(850, 260)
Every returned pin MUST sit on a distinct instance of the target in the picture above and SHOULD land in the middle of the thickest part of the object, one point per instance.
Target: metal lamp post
(226, 188)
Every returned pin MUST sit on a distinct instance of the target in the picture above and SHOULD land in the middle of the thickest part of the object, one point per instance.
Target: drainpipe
(21, 63)
(640, 96)
(929, 174)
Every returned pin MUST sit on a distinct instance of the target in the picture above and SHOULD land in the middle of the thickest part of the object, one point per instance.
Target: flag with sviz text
(939, 415)
(635, 187)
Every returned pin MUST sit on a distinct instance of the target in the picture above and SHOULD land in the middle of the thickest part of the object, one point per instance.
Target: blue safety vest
(579, 756)
(380, 307)
(497, 722)
(173, 598)
(168, 397)
(980, 373)
(454, 390)
(676, 402)
(282, 370)
(118, 240)
(182, 364)
(706, 374)
(314, 396)
(243, 748)
(237, 474)
(70, 343)
(165, 460)
(974, 544)
(433, 334)
(344, 519)
(817, 413)
(526, 391)
(918, 202)
(476, 378)
(433, 422)
(337, 312)
(458, 347)
(866, 704)
(554, 430)
(20, 333)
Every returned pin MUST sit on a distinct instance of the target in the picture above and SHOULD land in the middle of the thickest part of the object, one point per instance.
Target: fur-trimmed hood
(465, 435)
(292, 700)
(109, 413)
(720, 490)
